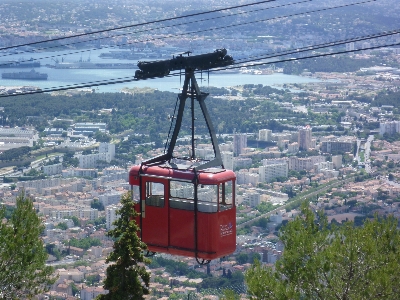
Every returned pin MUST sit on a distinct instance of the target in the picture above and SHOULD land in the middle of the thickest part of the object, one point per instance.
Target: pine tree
(23, 273)
(127, 277)
(332, 262)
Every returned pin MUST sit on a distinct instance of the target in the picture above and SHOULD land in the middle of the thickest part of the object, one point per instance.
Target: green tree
(127, 277)
(75, 289)
(242, 258)
(230, 295)
(102, 137)
(320, 262)
(23, 273)
(97, 204)
(74, 219)
(62, 226)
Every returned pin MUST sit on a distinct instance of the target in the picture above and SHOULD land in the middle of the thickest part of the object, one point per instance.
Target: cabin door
(154, 210)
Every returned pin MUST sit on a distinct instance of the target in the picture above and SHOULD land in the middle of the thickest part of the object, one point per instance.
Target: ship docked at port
(31, 75)
(20, 64)
(91, 65)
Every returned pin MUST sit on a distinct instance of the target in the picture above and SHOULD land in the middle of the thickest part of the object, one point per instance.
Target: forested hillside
(146, 112)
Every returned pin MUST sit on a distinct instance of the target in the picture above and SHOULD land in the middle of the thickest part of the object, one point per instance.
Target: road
(302, 198)
(9, 172)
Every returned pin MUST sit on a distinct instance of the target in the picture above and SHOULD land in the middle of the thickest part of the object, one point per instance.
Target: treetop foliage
(331, 262)
(127, 277)
(23, 273)
(147, 113)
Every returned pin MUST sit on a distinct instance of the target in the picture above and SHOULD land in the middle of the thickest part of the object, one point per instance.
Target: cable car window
(207, 196)
(181, 195)
(155, 194)
(225, 195)
(135, 193)
(181, 189)
(207, 193)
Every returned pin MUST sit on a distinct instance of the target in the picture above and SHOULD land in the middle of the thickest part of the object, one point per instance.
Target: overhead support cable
(234, 66)
(217, 28)
(146, 31)
(319, 46)
(311, 56)
(137, 25)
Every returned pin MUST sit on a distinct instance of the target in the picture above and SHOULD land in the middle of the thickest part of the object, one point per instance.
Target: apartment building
(111, 215)
(252, 199)
(111, 197)
(265, 135)
(304, 138)
(52, 169)
(227, 159)
(245, 177)
(239, 143)
(79, 172)
(88, 128)
(242, 163)
(11, 138)
(391, 127)
(272, 169)
(336, 146)
(337, 161)
(106, 153)
(305, 163)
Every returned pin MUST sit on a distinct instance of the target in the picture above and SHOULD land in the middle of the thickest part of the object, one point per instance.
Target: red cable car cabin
(184, 212)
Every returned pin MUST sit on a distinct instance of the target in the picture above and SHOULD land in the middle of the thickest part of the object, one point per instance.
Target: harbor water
(67, 77)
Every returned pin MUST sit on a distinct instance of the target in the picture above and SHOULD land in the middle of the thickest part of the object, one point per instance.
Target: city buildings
(227, 159)
(11, 138)
(389, 127)
(106, 154)
(88, 128)
(304, 138)
(111, 215)
(336, 145)
(265, 135)
(239, 143)
(337, 161)
(272, 169)
(252, 199)
(52, 169)
(305, 163)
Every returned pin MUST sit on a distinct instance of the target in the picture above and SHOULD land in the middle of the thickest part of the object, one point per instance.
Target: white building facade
(304, 138)
(265, 135)
(272, 169)
(111, 215)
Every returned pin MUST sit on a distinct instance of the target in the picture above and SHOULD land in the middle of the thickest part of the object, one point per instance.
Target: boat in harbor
(20, 64)
(91, 65)
(31, 75)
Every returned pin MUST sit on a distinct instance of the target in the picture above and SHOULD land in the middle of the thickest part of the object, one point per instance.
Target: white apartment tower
(239, 143)
(337, 161)
(390, 127)
(273, 169)
(227, 159)
(253, 199)
(111, 215)
(107, 148)
(265, 135)
(106, 153)
(304, 138)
